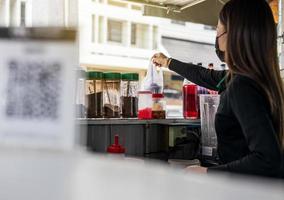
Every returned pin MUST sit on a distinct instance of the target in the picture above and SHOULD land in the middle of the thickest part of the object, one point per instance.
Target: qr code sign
(33, 90)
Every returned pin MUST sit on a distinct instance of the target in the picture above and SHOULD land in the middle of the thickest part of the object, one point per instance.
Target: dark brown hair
(251, 24)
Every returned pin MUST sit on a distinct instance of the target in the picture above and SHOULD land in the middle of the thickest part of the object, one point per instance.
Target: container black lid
(95, 75)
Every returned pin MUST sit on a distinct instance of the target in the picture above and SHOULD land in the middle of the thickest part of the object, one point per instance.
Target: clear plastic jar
(94, 94)
(129, 96)
(158, 107)
(145, 105)
(208, 107)
(111, 95)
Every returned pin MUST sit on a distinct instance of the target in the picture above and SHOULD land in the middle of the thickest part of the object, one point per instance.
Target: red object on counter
(116, 147)
(157, 95)
(190, 102)
(213, 92)
(145, 113)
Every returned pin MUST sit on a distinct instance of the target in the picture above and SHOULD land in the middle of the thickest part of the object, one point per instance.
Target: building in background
(115, 36)
(27, 13)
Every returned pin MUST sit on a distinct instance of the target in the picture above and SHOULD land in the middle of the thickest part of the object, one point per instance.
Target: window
(155, 37)
(136, 7)
(93, 28)
(115, 31)
(133, 34)
(23, 13)
(18, 13)
(178, 22)
(140, 35)
(117, 3)
(101, 29)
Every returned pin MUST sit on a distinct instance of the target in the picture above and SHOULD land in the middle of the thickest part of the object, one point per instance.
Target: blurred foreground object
(37, 81)
(50, 175)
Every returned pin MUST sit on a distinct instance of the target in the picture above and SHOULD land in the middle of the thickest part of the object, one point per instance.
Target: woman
(249, 121)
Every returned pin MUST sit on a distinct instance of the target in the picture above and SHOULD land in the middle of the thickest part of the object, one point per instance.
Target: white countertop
(54, 175)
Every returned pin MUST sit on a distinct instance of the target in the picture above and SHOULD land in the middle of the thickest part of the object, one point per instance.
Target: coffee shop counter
(141, 138)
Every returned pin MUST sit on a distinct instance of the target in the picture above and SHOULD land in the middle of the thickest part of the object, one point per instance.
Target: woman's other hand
(196, 169)
(160, 60)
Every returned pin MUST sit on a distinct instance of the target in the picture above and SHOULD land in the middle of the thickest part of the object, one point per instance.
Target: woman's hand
(160, 60)
(196, 169)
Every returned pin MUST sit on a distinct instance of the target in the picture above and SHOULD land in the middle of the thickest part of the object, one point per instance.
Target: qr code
(33, 90)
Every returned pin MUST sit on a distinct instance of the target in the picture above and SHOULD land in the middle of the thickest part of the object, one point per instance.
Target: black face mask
(219, 53)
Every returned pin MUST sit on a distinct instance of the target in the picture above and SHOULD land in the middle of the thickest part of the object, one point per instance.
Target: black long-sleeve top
(247, 140)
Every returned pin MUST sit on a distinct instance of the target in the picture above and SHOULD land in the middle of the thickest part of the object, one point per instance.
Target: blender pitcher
(208, 108)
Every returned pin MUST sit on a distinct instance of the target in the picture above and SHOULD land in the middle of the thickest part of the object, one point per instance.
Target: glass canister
(129, 96)
(111, 95)
(80, 94)
(159, 106)
(145, 105)
(94, 94)
(190, 102)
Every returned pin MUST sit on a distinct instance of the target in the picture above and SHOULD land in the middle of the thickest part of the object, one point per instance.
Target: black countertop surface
(135, 121)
